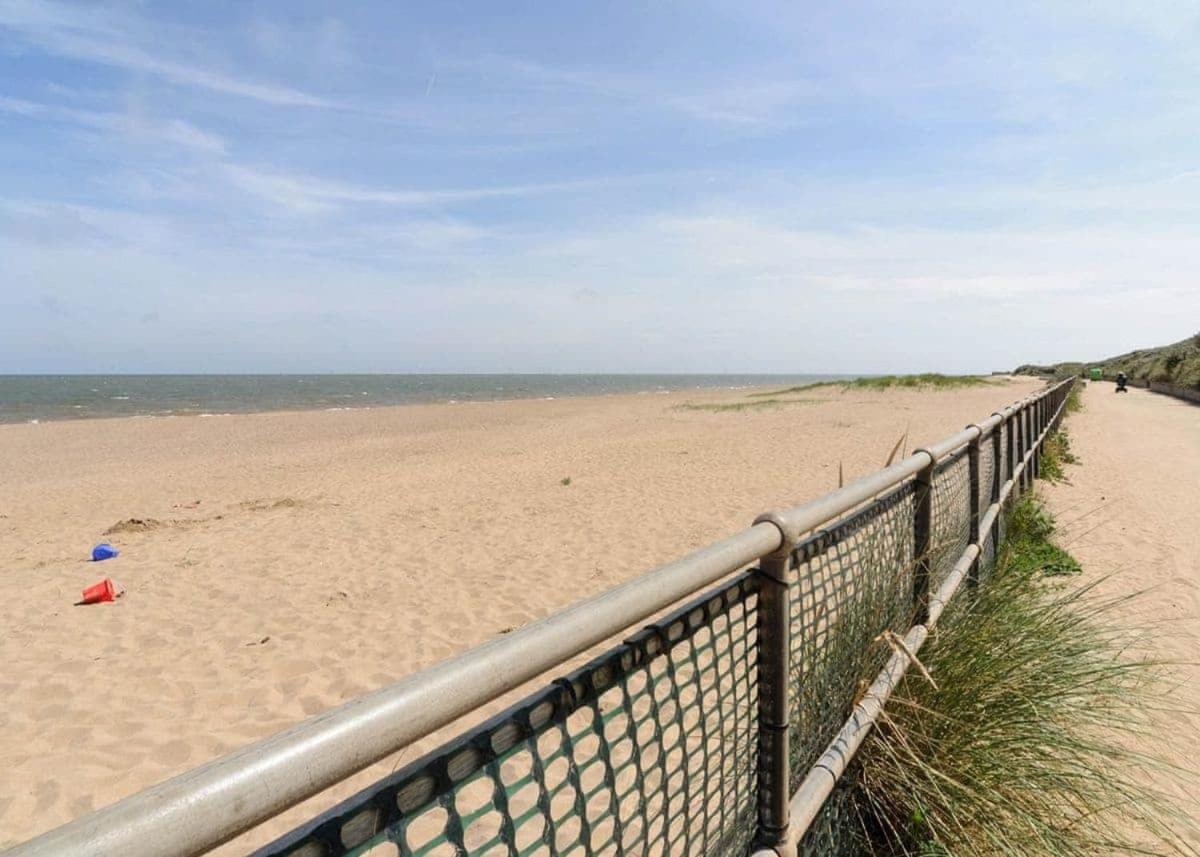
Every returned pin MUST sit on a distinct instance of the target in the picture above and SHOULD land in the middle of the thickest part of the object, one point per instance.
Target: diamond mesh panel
(951, 525)
(1003, 430)
(986, 473)
(650, 749)
(987, 556)
(853, 582)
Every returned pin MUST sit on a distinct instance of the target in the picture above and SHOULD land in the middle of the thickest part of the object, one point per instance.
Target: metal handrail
(207, 806)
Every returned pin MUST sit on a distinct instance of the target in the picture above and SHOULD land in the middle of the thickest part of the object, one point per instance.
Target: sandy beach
(1128, 513)
(279, 564)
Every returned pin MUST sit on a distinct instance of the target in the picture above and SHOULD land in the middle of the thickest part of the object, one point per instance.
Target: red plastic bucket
(105, 590)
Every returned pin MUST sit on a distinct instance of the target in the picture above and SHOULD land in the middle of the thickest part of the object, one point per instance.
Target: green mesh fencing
(989, 487)
(853, 581)
(951, 516)
(649, 749)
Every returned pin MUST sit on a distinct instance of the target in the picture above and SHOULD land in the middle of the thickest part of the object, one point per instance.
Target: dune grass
(803, 388)
(1177, 363)
(1075, 397)
(1022, 748)
(927, 380)
(1056, 454)
(932, 380)
(1030, 548)
(726, 407)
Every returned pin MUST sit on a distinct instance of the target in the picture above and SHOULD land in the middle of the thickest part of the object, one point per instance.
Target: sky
(594, 187)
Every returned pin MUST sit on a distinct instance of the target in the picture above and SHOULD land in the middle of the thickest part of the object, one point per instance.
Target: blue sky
(848, 187)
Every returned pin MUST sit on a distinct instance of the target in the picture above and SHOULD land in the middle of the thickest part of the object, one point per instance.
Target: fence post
(1023, 438)
(973, 449)
(1009, 448)
(774, 627)
(997, 482)
(922, 537)
(1035, 462)
(1032, 443)
(1041, 430)
(1016, 451)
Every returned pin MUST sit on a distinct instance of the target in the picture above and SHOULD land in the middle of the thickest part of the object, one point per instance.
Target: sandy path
(295, 561)
(1132, 510)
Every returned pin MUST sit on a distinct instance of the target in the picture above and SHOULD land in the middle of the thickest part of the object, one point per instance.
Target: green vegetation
(803, 388)
(928, 380)
(1075, 398)
(1021, 748)
(565, 481)
(1178, 363)
(1056, 454)
(1029, 547)
(722, 407)
(1055, 370)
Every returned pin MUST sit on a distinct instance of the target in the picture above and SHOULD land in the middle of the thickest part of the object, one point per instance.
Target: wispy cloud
(754, 103)
(301, 194)
(86, 35)
(751, 99)
(175, 131)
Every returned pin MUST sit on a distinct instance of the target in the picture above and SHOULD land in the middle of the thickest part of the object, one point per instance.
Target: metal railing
(719, 728)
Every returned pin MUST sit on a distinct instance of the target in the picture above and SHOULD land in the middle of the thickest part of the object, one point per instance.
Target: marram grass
(1056, 453)
(1023, 747)
(738, 407)
(925, 380)
(1075, 397)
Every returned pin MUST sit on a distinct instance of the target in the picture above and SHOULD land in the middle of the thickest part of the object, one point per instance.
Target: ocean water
(30, 398)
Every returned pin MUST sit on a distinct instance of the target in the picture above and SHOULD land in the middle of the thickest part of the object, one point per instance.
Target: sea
(42, 398)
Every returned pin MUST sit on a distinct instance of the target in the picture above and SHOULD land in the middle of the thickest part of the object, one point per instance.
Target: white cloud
(85, 34)
(301, 194)
(130, 124)
(751, 99)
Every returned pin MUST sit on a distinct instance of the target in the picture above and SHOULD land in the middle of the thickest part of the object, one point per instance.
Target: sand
(1130, 515)
(279, 564)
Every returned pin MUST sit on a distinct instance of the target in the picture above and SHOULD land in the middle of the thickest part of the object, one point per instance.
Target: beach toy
(103, 551)
(105, 590)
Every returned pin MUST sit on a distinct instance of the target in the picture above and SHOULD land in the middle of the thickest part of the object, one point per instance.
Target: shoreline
(400, 406)
(53, 413)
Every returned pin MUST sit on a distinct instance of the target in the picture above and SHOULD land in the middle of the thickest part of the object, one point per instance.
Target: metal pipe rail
(201, 809)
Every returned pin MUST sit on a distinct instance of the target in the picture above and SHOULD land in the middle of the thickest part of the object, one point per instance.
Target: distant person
(1122, 380)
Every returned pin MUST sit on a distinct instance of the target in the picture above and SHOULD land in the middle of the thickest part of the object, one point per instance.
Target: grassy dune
(760, 404)
(1178, 363)
(927, 380)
